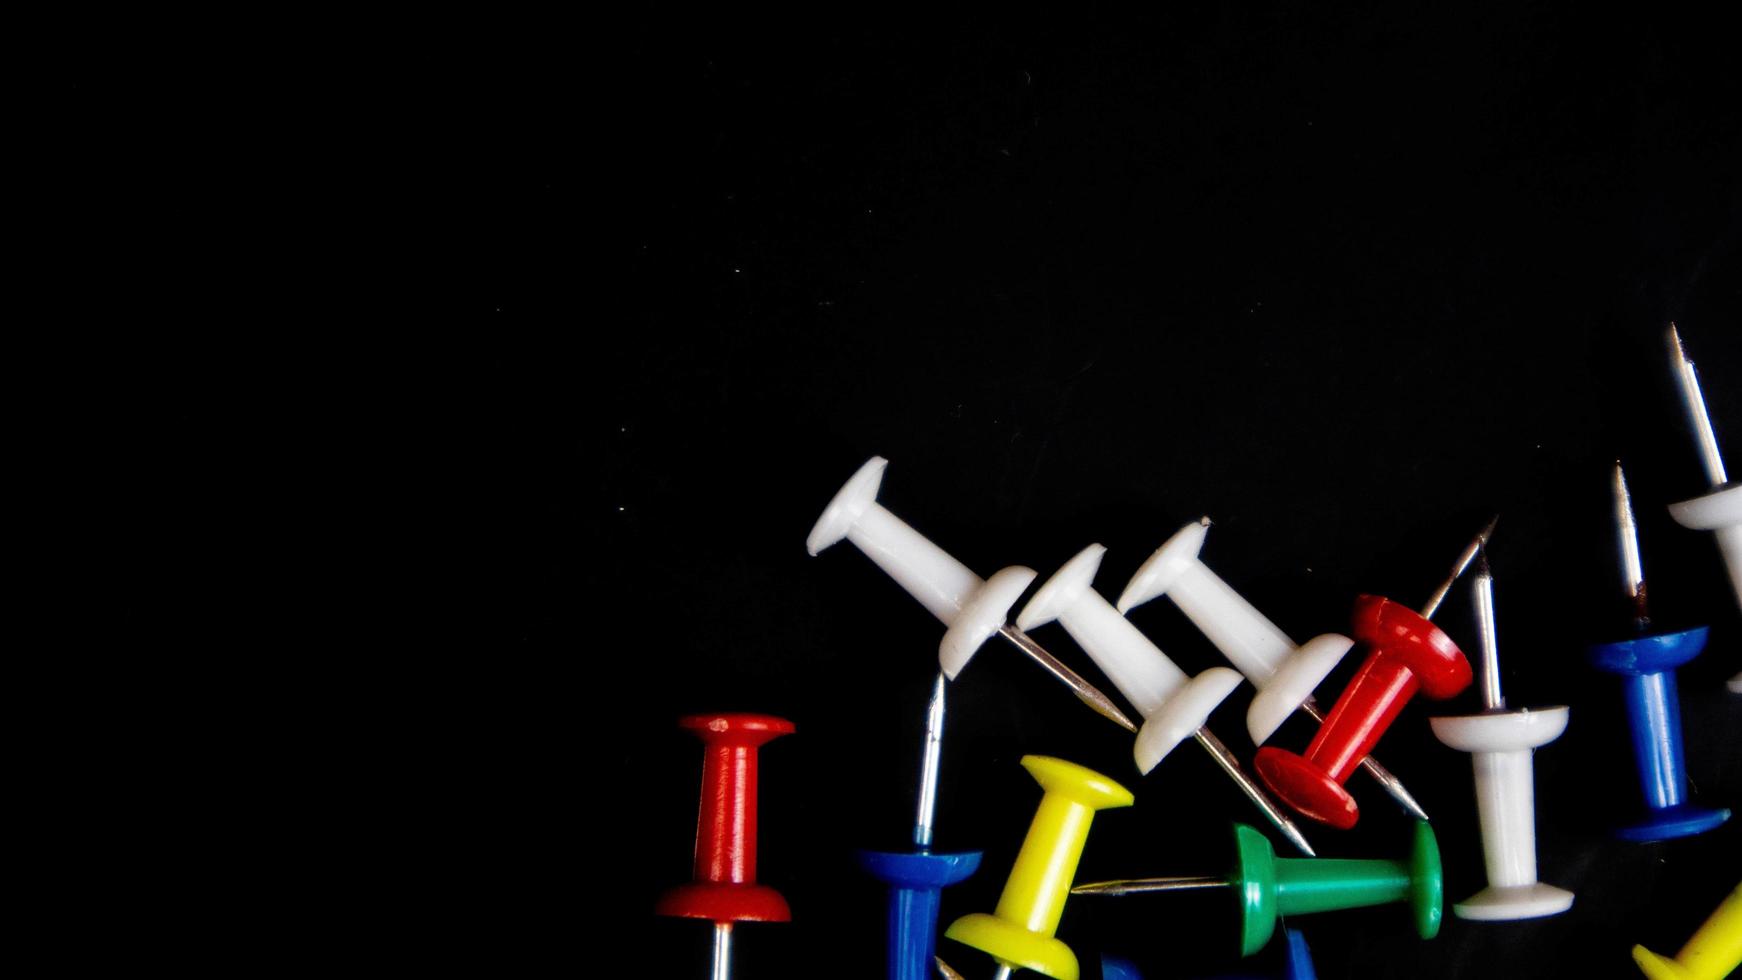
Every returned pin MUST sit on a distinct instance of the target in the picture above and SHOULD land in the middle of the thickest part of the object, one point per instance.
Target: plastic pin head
(1720, 511)
(1020, 933)
(1284, 673)
(724, 887)
(1502, 745)
(1408, 654)
(1270, 887)
(1713, 952)
(971, 609)
(916, 880)
(1646, 665)
(1173, 704)
(1175, 707)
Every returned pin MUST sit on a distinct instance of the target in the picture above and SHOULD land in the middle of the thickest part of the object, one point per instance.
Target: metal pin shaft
(1088, 693)
(1231, 765)
(1433, 603)
(1003, 972)
(1095, 699)
(948, 972)
(1491, 696)
(1689, 382)
(1383, 776)
(1632, 571)
(1143, 886)
(928, 766)
(722, 951)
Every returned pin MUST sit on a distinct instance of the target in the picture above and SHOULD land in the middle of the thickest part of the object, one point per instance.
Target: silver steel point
(1433, 603)
(1491, 696)
(1689, 381)
(1386, 779)
(1143, 886)
(1086, 692)
(1632, 571)
(1231, 765)
(928, 767)
(947, 971)
(1003, 972)
(722, 951)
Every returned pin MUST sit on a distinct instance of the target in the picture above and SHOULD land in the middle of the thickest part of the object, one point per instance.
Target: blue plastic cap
(1649, 654)
(1300, 959)
(1115, 968)
(919, 869)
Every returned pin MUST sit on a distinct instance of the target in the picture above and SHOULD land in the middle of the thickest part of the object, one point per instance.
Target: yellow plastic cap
(1013, 945)
(1076, 783)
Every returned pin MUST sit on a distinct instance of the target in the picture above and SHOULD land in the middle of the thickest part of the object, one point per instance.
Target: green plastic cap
(1426, 885)
(1254, 878)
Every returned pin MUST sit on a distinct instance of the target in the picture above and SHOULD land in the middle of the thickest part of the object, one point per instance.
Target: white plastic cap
(850, 501)
(1721, 508)
(1156, 575)
(1293, 683)
(1501, 731)
(1501, 744)
(1173, 705)
(1184, 713)
(972, 609)
(1720, 513)
(984, 614)
(1252, 643)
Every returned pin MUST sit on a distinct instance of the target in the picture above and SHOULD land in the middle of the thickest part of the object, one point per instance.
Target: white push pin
(1285, 673)
(1721, 510)
(1174, 706)
(972, 609)
(1502, 745)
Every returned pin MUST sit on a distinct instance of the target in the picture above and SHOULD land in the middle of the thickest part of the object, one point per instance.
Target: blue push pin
(1647, 666)
(1297, 962)
(916, 879)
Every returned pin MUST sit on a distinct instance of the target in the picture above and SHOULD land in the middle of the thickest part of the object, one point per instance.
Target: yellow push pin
(1713, 952)
(1019, 934)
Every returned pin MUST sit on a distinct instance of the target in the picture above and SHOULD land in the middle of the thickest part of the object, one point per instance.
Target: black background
(1348, 283)
(626, 301)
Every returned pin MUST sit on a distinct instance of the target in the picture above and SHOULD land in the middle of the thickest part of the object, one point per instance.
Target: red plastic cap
(1401, 632)
(1307, 788)
(724, 903)
(739, 728)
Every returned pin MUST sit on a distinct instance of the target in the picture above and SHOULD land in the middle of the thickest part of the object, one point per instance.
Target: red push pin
(1408, 654)
(725, 889)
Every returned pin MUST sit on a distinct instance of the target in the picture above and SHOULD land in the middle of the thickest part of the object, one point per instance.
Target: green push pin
(1271, 887)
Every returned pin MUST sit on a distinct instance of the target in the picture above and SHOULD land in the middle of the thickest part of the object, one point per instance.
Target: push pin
(1647, 666)
(1409, 653)
(1019, 933)
(1721, 510)
(1174, 706)
(970, 608)
(1297, 963)
(916, 879)
(1502, 744)
(1712, 954)
(1112, 968)
(724, 889)
(1285, 673)
(1270, 886)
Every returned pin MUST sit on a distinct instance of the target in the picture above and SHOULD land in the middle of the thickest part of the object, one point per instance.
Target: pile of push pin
(1404, 653)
